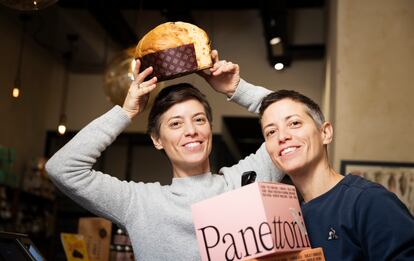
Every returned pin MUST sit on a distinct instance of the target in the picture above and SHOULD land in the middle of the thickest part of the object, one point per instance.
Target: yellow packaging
(74, 246)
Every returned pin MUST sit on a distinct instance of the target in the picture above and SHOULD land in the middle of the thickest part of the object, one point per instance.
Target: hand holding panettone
(138, 93)
(224, 76)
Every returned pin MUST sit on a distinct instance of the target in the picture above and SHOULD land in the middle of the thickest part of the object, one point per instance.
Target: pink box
(255, 220)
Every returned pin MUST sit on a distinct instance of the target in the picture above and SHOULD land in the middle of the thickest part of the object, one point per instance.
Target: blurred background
(67, 62)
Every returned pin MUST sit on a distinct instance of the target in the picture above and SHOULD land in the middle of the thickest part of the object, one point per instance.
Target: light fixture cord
(20, 59)
(65, 86)
(67, 57)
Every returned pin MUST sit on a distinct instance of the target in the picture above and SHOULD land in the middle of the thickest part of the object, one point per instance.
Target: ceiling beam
(116, 26)
(110, 18)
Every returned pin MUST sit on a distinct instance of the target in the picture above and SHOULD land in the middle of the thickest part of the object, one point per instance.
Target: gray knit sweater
(157, 218)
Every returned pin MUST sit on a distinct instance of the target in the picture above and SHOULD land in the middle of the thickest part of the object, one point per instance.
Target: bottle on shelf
(121, 249)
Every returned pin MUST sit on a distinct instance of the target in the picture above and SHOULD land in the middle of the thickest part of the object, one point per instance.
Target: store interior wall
(373, 80)
(23, 121)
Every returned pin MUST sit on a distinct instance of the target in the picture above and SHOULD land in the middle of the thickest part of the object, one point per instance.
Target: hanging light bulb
(28, 5)
(16, 89)
(62, 124)
(62, 118)
(16, 92)
(67, 57)
(17, 80)
(61, 129)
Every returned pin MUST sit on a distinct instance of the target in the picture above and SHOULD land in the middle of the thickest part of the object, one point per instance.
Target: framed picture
(397, 177)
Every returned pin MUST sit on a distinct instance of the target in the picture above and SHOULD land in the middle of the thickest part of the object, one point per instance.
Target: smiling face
(186, 137)
(294, 141)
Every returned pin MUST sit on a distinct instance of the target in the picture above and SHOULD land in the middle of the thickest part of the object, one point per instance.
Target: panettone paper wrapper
(171, 63)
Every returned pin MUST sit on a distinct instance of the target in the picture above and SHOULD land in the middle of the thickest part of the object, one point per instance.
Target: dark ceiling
(109, 16)
(108, 13)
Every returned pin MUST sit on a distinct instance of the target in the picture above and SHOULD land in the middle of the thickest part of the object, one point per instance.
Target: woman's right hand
(138, 92)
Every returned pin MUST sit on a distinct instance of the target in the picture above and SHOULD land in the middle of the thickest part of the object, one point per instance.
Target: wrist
(229, 93)
(129, 113)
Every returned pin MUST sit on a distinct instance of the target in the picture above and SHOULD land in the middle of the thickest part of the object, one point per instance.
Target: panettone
(174, 49)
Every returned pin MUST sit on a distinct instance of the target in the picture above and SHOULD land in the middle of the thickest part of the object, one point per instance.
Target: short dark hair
(170, 96)
(313, 108)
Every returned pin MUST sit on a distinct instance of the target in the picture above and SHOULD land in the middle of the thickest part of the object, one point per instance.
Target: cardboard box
(74, 246)
(255, 220)
(310, 254)
(97, 233)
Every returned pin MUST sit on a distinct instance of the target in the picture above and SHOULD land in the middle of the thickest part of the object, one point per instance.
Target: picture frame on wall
(397, 177)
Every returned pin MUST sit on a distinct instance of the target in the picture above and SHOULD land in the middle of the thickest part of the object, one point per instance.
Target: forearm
(249, 96)
(71, 167)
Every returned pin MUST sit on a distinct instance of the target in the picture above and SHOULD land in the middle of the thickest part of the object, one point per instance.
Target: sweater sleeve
(385, 226)
(250, 97)
(71, 168)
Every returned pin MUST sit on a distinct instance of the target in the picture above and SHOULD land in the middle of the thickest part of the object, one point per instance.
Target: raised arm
(71, 167)
(224, 77)
(250, 97)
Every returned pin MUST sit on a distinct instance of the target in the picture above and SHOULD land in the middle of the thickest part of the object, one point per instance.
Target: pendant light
(67, 57)
(16, 89)
(27, 5)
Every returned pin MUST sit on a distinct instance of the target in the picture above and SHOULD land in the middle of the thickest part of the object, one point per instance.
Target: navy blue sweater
(360, 220)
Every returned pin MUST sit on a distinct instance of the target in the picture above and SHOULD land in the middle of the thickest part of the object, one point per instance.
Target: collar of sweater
(191, 183)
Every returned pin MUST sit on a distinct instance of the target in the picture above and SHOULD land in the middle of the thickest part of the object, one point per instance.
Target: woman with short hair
(158, 218)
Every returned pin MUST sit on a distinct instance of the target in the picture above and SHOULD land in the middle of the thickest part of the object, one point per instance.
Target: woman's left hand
(224, 76)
